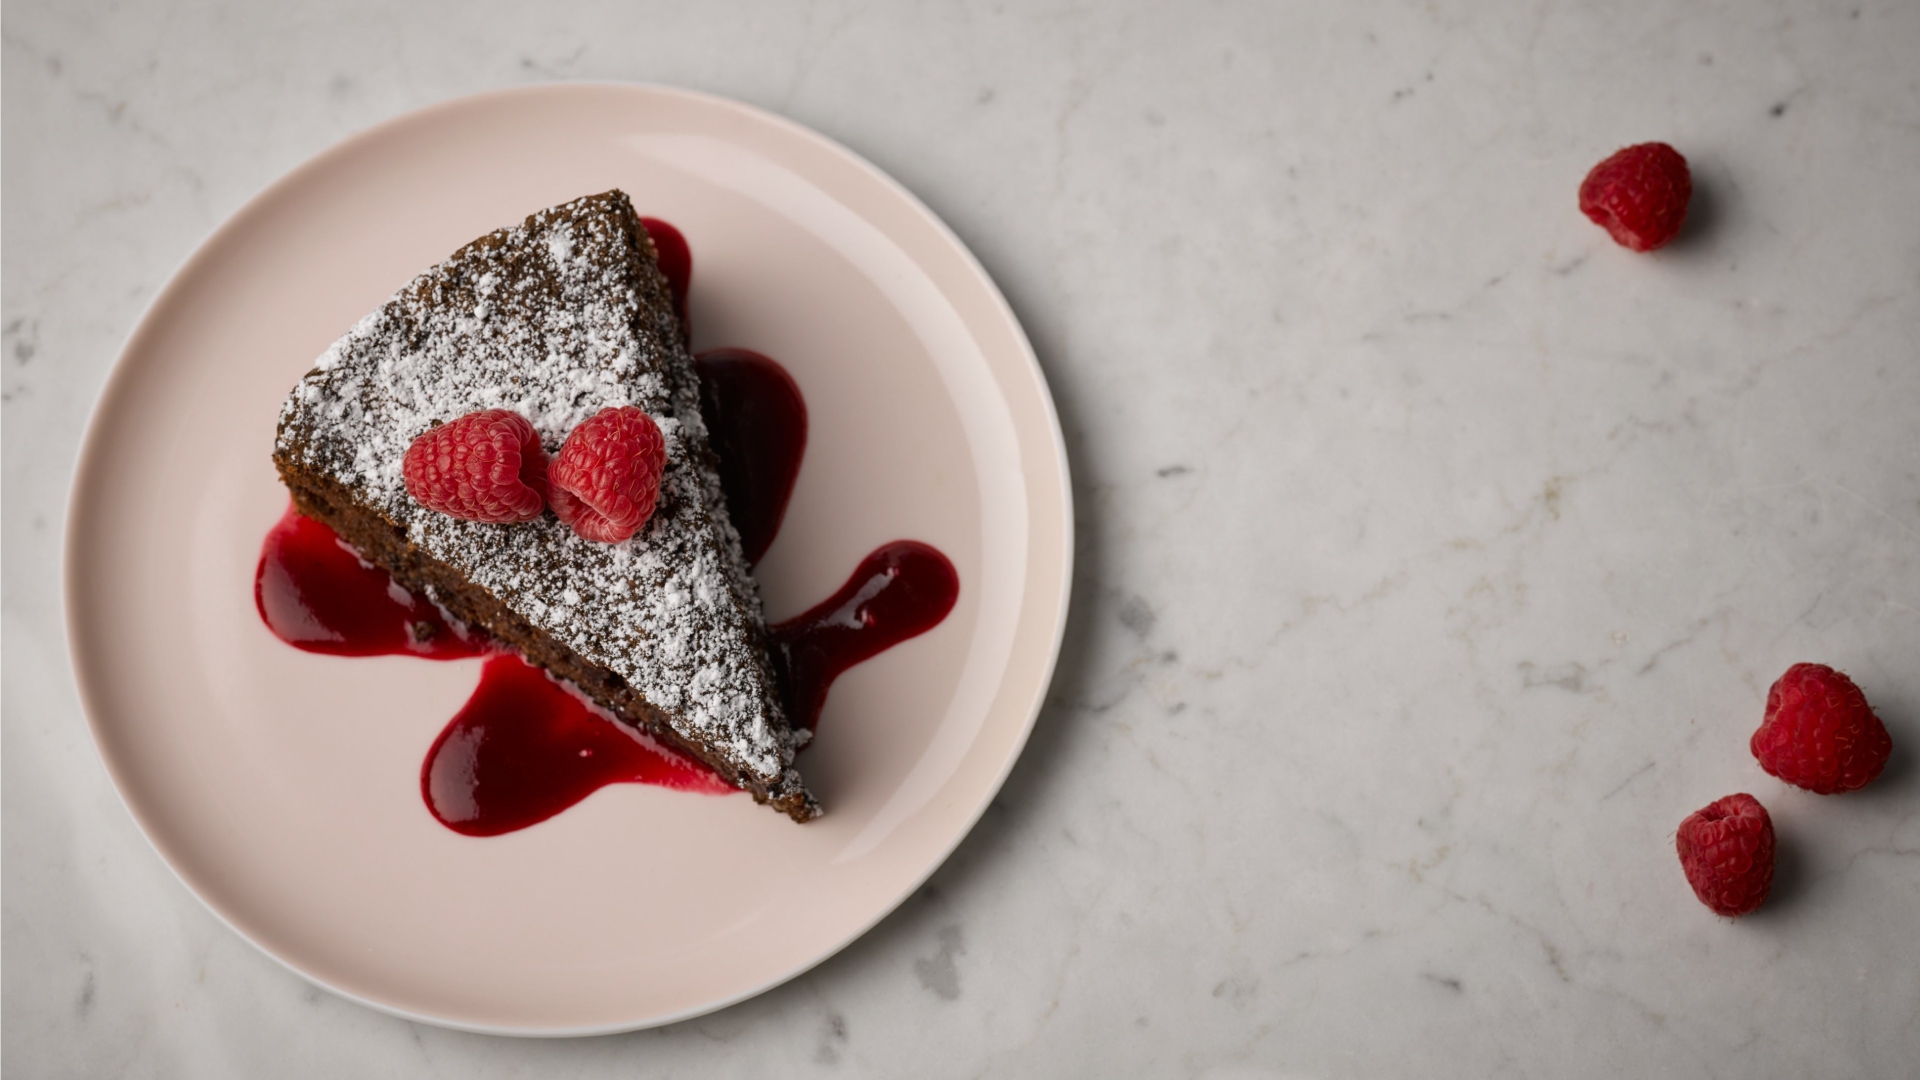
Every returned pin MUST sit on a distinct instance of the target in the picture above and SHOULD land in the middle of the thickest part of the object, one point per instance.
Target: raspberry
(1726, 850)
(607, 476)
(1819, 732)
(486, 466)
(1639, 195)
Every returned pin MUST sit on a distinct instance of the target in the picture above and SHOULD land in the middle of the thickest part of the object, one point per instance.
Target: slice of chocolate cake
(555, 319)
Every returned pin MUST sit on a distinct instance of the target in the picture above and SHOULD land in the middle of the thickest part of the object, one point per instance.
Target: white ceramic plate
(283, 786)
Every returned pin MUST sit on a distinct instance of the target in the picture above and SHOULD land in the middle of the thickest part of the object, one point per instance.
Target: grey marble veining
(1435, 553)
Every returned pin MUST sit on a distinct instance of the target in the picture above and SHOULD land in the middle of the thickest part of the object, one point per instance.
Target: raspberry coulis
(759, 438)
(525, 747)
(314, 593)
(676, 262)
(901, 590)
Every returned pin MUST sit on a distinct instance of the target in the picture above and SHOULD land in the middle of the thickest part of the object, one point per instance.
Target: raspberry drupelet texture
(1726, 851)
(606, 478)
(1819, 732)
(1639, 195)
(485, 466)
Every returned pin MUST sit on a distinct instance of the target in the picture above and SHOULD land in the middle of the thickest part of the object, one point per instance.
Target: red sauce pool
(902, 590)
(676, 262)
(757, 423)
(315, 594)
(526, 747)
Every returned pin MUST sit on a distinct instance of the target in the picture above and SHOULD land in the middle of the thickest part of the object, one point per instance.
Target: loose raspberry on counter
(606, 478)
(1726, 850)
(486, 466)
(1639, 195)
(1819, 733)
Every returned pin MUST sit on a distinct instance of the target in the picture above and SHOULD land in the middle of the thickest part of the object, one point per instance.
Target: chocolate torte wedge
(556, 318)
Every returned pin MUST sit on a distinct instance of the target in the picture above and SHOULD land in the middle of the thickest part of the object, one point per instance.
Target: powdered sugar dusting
(557, 319)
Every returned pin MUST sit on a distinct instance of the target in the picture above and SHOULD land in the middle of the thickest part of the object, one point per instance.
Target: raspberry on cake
(555, 321)
(606, 480)
(485, 466)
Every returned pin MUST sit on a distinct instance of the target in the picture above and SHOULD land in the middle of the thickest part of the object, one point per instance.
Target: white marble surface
(1435, 553)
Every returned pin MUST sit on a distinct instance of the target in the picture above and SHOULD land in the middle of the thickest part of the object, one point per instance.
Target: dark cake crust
(423, 359)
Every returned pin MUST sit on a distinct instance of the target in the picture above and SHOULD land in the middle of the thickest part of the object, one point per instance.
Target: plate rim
(88, 461)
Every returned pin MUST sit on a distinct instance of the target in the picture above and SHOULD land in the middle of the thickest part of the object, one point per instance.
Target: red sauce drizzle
(676, 262)
(316, 594)
(525, 747)
(757, 423)
(902, 590)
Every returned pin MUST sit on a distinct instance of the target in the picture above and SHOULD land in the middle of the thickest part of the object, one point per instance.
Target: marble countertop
(1435, 554)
